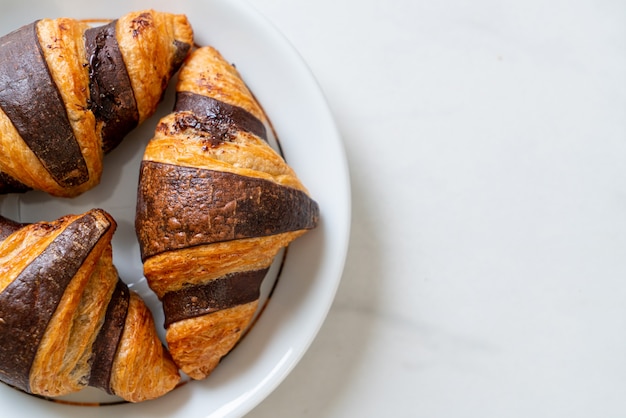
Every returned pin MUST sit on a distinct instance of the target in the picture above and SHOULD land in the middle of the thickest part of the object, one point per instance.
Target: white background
(486, 275)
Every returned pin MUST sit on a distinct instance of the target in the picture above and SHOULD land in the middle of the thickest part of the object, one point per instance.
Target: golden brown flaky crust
(201, 342)
(208, 74)
(61, 38)
(143, 369)
(64, 358)
(147, 42)
(198, 343)
(166, 270)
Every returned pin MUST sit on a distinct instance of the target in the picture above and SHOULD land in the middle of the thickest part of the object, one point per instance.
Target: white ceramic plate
(313, 264)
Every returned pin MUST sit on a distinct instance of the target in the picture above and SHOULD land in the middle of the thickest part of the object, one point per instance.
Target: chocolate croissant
(215, 205)
(69, 93)
(66, 319)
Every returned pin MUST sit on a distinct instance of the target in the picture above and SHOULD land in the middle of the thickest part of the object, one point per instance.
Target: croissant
(215, 204)
(66, 319)
(69, 93)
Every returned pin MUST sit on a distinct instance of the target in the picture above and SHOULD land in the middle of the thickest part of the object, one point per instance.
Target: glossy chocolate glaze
(108, 338)
(31, 100)
(179, 207)
(112, 99)
(29, 301)
(219, 116)
(222, 293)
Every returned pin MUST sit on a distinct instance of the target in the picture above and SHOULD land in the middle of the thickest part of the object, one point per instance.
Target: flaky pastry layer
(201, 342)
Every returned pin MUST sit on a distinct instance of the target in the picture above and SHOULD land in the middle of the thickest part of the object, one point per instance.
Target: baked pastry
(215, 205)
(66, 319)
(70, 92)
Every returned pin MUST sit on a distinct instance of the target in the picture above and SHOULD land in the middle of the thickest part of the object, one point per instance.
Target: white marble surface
(486, 275)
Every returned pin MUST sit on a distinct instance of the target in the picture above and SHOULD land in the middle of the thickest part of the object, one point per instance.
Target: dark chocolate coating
(179, 207)
(112, 99)
(108, 338)
(29, 301)
(218, 115)
(182, 50)
(31, 100)
(10, 185)
(222, 293)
